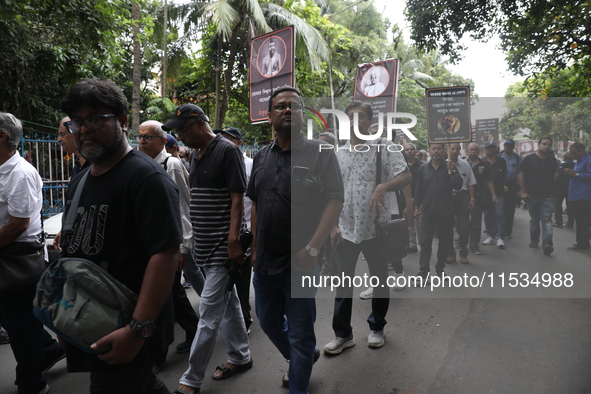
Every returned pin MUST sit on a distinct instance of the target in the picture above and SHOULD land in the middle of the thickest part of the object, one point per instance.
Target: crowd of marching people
(227, 221)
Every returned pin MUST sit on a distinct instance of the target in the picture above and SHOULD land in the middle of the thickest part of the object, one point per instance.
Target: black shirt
(125, 216)
(434, 189)
(539, 175)
(414, 171)
(288, 213)
(498, 171)
(481, 192)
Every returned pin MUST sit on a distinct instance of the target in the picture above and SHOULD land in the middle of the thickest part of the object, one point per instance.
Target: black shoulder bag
(393, 234)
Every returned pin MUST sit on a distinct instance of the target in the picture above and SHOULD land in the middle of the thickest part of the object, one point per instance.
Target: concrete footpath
(448, 341)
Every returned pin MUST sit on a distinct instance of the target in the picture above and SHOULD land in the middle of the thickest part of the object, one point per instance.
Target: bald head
(65, 138)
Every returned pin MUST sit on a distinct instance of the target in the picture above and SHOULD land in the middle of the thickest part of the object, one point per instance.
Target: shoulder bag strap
(68, 222)
(378, 179)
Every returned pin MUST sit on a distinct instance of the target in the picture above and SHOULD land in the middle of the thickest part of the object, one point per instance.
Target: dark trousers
(243, 290)
(347, 255)
(444, 226)
(562, 195)
(138, 379)
(475, 224)
(32, 346)
(510, 204)
(461, 214)
(184, 314)
(582, 213)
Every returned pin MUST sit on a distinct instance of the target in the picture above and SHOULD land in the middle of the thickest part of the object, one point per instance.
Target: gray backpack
(80, 301)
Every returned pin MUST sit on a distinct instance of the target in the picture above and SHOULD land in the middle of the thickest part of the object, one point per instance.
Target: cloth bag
(21, 265)
(393, 234)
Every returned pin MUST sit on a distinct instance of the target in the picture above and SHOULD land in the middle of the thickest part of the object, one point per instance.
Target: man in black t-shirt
(537, 184)
(494, 216)
(127, 196)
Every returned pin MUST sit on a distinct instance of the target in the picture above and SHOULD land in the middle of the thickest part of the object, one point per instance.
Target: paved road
(434, 344)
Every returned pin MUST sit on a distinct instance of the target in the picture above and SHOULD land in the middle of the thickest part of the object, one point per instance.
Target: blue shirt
(579, 187)
(512, 166)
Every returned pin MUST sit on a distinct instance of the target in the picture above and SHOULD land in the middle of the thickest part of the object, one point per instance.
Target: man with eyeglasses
(297, 194)
(218, 182)
(243, 285)
(367, 201)
(66, 140)
(152, 140)
(125, 197)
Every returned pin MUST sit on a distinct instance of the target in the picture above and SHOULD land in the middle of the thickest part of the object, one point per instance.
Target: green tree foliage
(234, 23)
(49, 45)
(561, 118)
(540, 37)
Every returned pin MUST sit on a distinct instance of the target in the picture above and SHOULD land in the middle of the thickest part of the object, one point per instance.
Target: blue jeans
(273, 302)
(494, 220)
(540, 211)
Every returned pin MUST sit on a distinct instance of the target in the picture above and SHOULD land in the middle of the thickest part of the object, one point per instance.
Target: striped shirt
(219, 172)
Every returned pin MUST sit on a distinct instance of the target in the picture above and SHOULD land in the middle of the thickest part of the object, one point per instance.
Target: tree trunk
(164, 60)
(228, 75)
(137, 68)
(218, 99)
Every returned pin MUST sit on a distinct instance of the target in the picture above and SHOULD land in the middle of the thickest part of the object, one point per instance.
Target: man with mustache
(125, 197)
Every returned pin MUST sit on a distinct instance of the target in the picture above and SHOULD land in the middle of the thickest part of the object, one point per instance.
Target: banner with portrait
(528, 147)
(487, 130)
(271, 67)
(376, 84)
(448, 114)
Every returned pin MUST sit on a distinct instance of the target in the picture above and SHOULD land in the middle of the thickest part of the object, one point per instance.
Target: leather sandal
(228, 372)
(181, 391)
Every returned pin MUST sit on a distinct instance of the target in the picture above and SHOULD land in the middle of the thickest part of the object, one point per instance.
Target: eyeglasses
(91, 123)
(183, 130)
(282, 107)
(359, 116)
(146, 137)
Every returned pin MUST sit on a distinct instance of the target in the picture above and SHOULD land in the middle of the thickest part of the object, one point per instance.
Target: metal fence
(55, 166)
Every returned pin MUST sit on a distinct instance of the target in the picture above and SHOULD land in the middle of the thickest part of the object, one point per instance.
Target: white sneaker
(367, 294)
(397, 286)
(376, 339)
(489, 241)
(500, 243)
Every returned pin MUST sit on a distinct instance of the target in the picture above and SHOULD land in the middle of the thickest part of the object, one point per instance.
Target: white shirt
(177, 171)
(357, 222)
(247, 201)
(465, 170)
(21, 196)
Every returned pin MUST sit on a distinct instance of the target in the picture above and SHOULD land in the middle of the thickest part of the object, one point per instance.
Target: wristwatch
(313, 251)
(143, 329)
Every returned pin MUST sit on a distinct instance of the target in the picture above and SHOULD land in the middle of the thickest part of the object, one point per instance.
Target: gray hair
(13, 128)
(156, 127)
(330, 136)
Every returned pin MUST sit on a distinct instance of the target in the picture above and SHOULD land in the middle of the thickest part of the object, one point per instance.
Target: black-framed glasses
(282, 107)
(145, 137)
(183, 130)
(91, 123)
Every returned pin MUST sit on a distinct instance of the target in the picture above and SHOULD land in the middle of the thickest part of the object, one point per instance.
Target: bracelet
(494, 196)
(471, 199)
